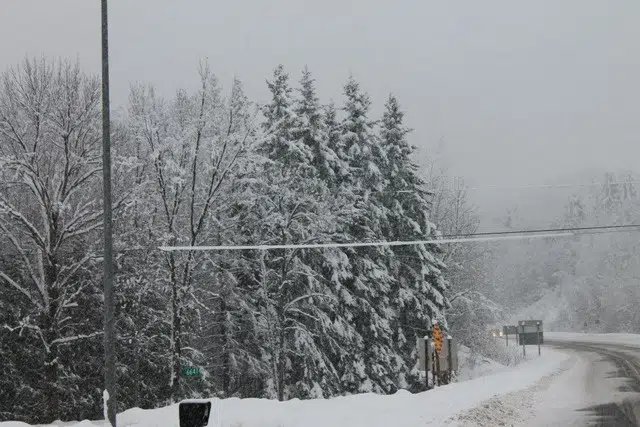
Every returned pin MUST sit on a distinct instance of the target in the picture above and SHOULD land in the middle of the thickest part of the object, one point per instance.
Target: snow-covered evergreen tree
(335, 143)
(290, 204)
(312, 128)
(280, 125)
(365, 298)
(294, 299)
(418, 294)
(196, 169)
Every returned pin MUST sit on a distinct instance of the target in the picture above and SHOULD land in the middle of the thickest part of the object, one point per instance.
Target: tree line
(585, 282)
(208, 166)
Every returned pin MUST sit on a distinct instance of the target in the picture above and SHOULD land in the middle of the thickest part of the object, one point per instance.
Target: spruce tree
(335, 144)
(291, 206)
(282, 143)
(315, 131)
(418, 294)
(366, 301)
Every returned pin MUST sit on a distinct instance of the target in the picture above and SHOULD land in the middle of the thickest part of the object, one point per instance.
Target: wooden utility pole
(109, 333)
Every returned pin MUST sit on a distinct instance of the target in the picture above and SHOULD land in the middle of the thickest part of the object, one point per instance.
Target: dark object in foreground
(194, 414)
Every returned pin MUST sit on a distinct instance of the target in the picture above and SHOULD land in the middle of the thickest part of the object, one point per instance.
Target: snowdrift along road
(403, 409)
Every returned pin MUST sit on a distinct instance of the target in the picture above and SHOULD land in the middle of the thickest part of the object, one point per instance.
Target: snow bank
(475, 365)
(402, 409)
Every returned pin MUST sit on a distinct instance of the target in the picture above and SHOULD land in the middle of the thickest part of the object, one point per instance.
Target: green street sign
(191, 372)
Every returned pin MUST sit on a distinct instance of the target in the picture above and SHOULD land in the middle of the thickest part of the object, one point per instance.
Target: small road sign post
(449, 358)
(441, 357)
(437, 357)
(430, 363)
(538, 336)
(425, 361)
(434, 376)
(522, 339)
(510, 330)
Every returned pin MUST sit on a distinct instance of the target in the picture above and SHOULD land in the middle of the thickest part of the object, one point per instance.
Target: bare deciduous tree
(194, 145)
(50, 167)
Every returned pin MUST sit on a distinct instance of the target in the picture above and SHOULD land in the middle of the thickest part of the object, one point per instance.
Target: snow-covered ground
(565, 400)
(473, 365)
(560, 388)
(602, 381)
(590, 386)
(456, 404)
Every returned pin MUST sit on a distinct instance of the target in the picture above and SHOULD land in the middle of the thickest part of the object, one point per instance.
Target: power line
(593, 184)
(348, 245)
(610, 228)
(507, 187)
(475, 237)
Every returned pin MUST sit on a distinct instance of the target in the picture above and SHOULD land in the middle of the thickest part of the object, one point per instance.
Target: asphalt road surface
(601, 389)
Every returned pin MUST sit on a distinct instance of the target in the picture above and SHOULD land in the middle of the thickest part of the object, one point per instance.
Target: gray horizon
(501, 93)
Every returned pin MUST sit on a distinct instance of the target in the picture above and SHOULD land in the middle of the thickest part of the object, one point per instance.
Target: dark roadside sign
(194, 413)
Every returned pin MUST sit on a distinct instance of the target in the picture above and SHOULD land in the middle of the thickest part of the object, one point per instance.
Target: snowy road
(597, 385)
(601, 388)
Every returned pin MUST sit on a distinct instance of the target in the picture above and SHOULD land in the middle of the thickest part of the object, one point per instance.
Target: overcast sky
(517, 91)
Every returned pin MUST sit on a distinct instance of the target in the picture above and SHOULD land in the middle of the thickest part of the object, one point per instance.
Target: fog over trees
(584, 282)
